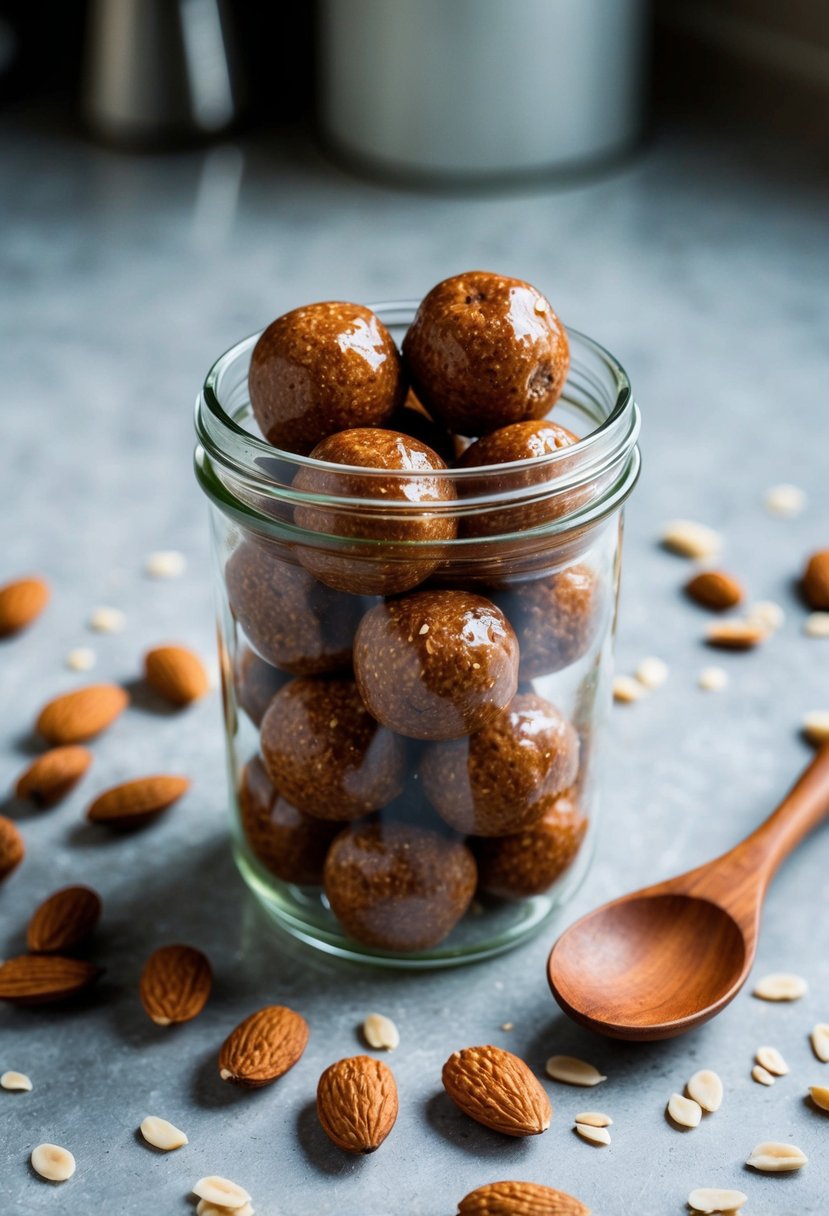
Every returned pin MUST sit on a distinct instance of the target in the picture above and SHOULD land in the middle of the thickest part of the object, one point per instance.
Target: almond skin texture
(51, 776)
(136, 802)
(263, 1047)
(715, 589)
(520, 1199)
(357, 1103)
(63, 920)
(21, 602)
(39, 979)
(175, 984)
(497, 1089)
(176, 673)
(12, 848)
(816, 581)
(82, 714)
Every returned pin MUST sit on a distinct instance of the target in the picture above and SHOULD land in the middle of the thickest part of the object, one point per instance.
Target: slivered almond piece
(736, 635)
(819, 1039)
(684, 1111)
(713, 679)
(626, 689)
(12, 848)
(771, 1059)
(175, 984)
(710, 1199)
(136, 802)
(497, 1089)
(596, 1135)
(380, 1032)
(63, 920)
(785, 500)
(263, 1046)
(205, 1208)
(816, 625)
(39, 979)
(221, 1192)
(572, 1071)
(107, 620)
(51, 776)
(161, 1134)
(80, 658)
(165, 563)
(652, 672)
(761, 1075)
(820, 1095)
(519, 1199)
(80, 715)
(52, 1162)
(357, 1103)
(176, 673)
(690, 539)
(772, 1157)
(705, 1088)
(780, 986)
(768, 614)
(15, 1081)
(714, 589)
(815, 726)
(593, 1118)
(21, 602)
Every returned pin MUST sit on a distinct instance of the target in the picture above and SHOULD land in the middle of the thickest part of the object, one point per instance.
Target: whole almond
(815, 582)
(263, 1046)
(175, 984)
(63, 920)
(497, 1089)
(715, 589)
(357, 1103)
(12, 848)
(38, 979)
(136, 802)
(80, 715)
(20, 603)
(520, 1199)
(51, 776)
(176, 673)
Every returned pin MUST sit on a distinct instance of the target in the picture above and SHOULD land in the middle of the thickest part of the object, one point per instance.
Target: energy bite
(436, 664)
(322, 368)
(556, 618)
(295, 623)
(500, 779)
(398, 887)
(288, 843)
(484, 351)
(529, 862)
(256, 683)
(325, 753)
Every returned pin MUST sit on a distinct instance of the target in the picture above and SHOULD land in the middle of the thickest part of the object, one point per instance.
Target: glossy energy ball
(436, 664)
(528, 863)
(320, 369)
(293, 846)
(556, 617)
(484, 351)
(256, 683)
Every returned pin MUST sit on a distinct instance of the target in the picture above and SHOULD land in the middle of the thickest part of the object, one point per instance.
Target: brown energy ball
(436, 664)
(320, 369)
(484, 351)
(294, 622)
(325, 753)
(412, 419)
(556, 618)
(291, 845)
(358, 568)
(500, 779)
(257, 683)
(398, 887)
(528, 863)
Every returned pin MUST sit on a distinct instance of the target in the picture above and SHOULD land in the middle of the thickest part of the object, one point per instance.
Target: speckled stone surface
(703, 267)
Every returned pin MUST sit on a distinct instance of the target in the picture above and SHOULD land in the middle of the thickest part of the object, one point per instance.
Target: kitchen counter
(702, 264)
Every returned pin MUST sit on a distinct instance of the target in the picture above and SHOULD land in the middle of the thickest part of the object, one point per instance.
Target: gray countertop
(703, 265)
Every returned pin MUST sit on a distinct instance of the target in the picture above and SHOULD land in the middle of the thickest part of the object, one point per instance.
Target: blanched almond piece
(736, 635)
(785, 500)
(705, 1088)
(205, 1208)
(816, 625)
(780, 986)
(690, 539)
(761, 1075)
(626, 689)
(572, 1071)
(771, 1059)
(380, 1032)
(593, 1118)
(773, 1158)
(684, 1111)
(820, 1041)
(107, 620)
(713, 679)
(815, 726)
(652, 672)
(16, 1081)
(596, 1135)
(165, 563)
(820, 1095)
(768, 614)
(221, 1192)
(711, 1199)
(161, 1134)
(52, 1162)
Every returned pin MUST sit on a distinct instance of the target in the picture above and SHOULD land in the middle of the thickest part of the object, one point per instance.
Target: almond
(175, 984)
(63, 920)
(736, 635)
(21, 602)
(38, 979)
(79, 715)
(519, 1199)
(51, 776)
(263, 1046)
(815, 582)
(357, 1103)
(715, 589)
(12, 848)
(136, 802)
(497, 1089)
(177, 674)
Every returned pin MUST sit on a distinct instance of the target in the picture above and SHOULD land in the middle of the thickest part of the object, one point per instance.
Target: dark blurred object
(44, 39)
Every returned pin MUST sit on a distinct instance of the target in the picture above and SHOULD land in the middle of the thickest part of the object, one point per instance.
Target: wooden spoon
(665, 959)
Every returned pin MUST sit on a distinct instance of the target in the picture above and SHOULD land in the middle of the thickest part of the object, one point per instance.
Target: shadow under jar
(413, 773)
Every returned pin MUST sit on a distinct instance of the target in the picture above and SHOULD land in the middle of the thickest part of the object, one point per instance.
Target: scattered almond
(39, 979)
(736, 635)
(684, 1111)
(815, 582)
(626, 689)
(593, 1118)
(710, 1200)
(519, 1199)
(205, 1208)
(161, 1134)
(652, 672)
(780, 986)
(357, 1103)
(497, 1089)
(713, 679)
(175, 984)
(820, 1095)
(773, 1158)
(761, 1075)
(596, 1135)
(136, 802)
(816, 625)
(771, 1059)
(815, 726)
(785, 500)
(380, 1032)
(107, 620)
(705, 1088)
(51, 776)
(263, 1046)
(221, 1192)
(768, 614)
(80, 658)
(21, 602)
(572, 1071)
(820, 1041)
(80, 715)
(12, 848)
(63, 920)
(52, 1162)
(165, 563)
(715, 589)
(690, 539)
(176, 673)
(15, 1081)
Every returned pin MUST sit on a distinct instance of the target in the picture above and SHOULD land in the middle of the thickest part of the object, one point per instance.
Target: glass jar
(416, 670)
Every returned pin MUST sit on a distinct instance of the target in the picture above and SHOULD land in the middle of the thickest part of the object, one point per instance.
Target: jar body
(414, 726)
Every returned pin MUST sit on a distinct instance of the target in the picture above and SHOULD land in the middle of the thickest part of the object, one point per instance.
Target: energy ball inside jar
(326, 754)
(257, 683)
(408, 505)
(398, 887)
(320, 369)
(500, 779)
(436, 664)
(556, 618)
(293, 846)
(529, 862)
(294, 622)
(484, 351)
